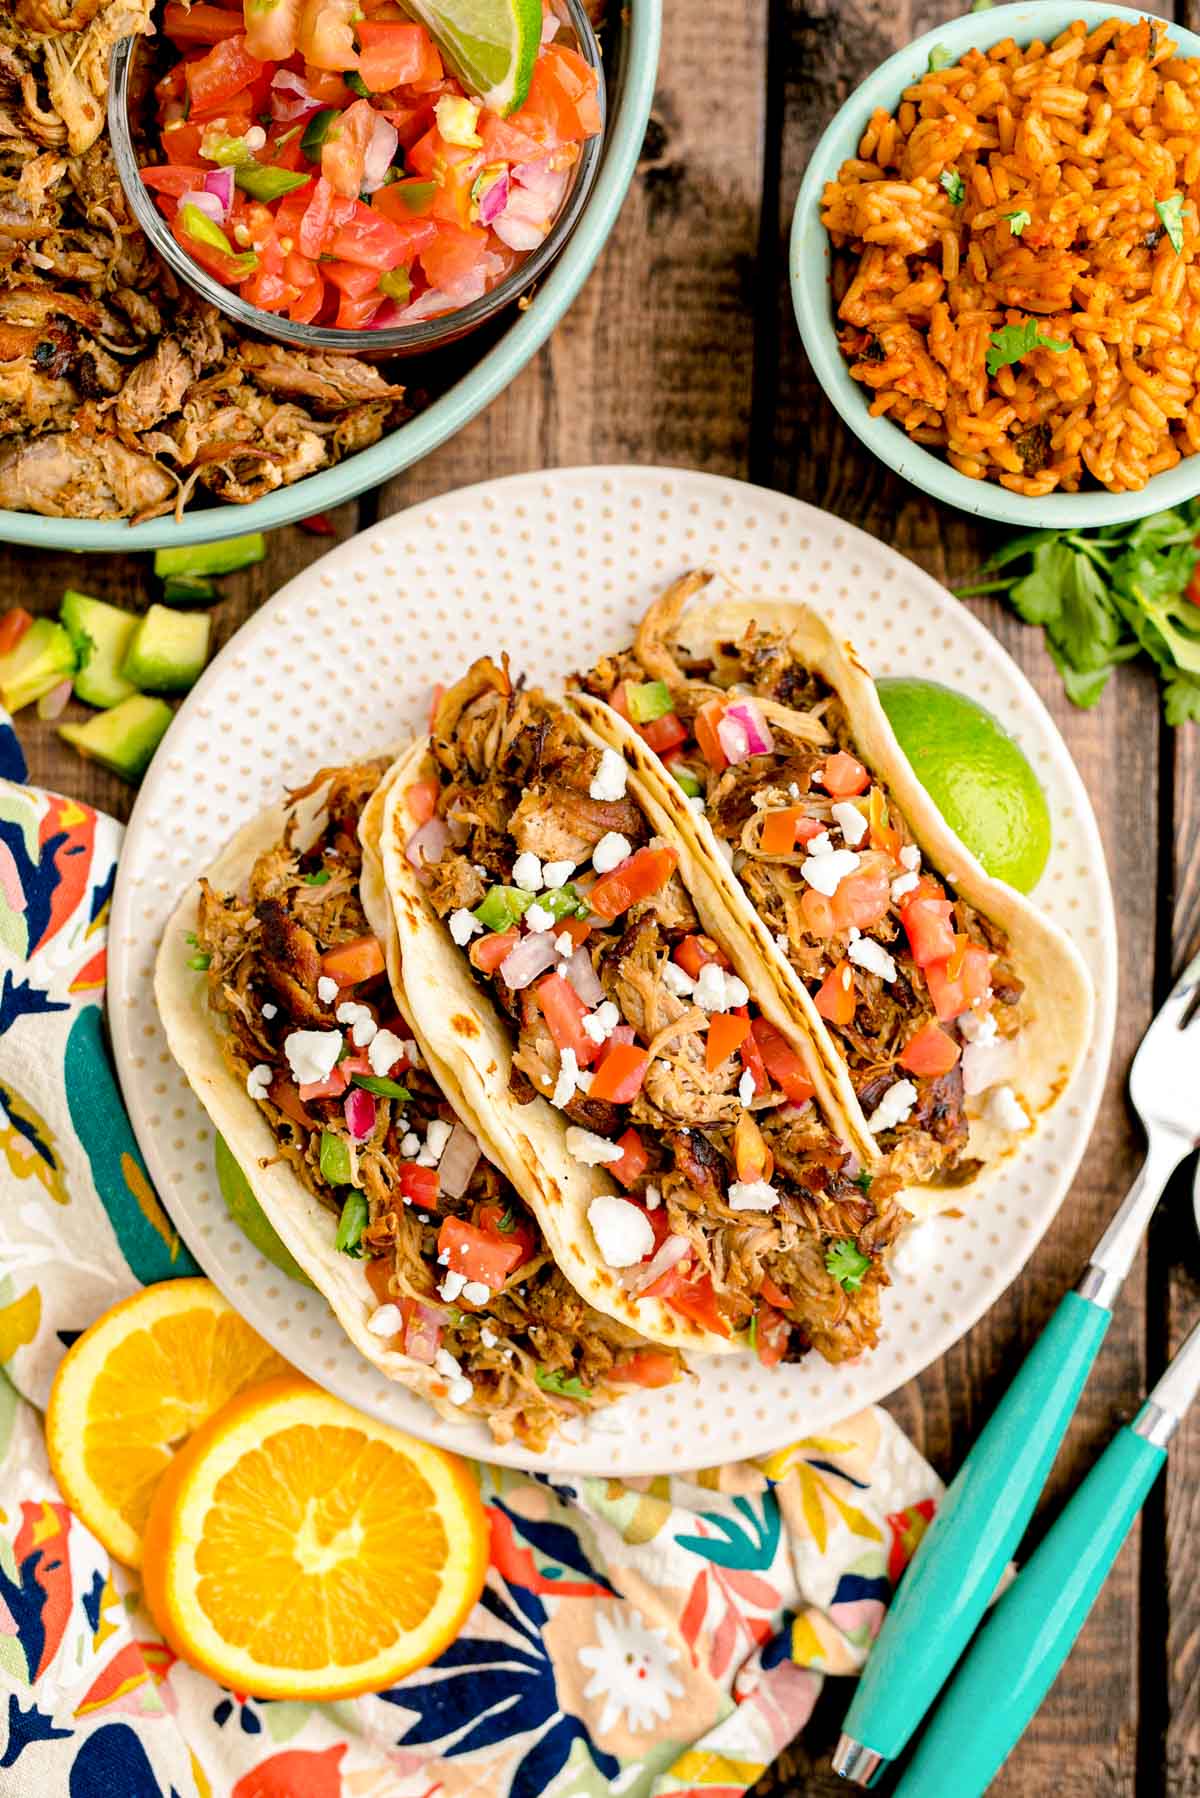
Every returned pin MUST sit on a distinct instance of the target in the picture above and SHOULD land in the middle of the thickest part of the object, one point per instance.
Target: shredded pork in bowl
(123, 396)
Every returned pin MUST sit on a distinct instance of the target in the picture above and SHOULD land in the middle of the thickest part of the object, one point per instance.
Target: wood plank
(1086, 1735)
(653, 363)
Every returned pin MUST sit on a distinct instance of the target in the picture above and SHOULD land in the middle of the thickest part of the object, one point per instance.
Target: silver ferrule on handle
(1159, 1417)
(860, 1765)
(1114, 1255)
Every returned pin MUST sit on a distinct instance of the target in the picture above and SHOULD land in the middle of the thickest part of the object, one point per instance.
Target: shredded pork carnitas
(121, 393)
(517, 780)
(808, 726)
(533, 1352)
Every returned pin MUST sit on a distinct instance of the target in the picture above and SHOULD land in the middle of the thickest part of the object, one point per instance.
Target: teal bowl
(630, 93)
(809, 268)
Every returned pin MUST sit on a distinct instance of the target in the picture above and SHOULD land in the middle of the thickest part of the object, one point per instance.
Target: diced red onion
(550, 25)
(623, 1033)
(582, 976)
(54, 703)
(524, 221)
(428, 843)
(458, 1162)
(459, 828)
(360, 1113)
(220, 183)
(388, 314)
(669, 1253)
(542, 179)
(733, 738)
(423, 1335)
(750, 716)
(377, 157)
(290, 98)
(204, 202)
(494, 197)
(530, 957)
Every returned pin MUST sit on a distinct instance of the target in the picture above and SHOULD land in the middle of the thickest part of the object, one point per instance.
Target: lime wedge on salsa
(491, 45)
(978, 778)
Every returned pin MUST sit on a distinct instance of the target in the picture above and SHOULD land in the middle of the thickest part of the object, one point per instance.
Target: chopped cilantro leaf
(351, 1225)
(199, 962)
(1171, 213)
(863, 1181)
(940, 58)
(380, 1085)
(191, 938)
(1018, 220)
(1011, 342)
(566, 1385)
(952, 181)
(319, 879)
(847, 1263)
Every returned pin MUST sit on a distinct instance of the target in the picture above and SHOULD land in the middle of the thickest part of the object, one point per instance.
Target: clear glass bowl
(126, 82)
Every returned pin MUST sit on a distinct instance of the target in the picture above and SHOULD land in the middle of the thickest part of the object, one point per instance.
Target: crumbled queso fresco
(609, 780)
(752, 1195)
(258, 1081)
(894, 1108)
(612, 849)
(622, 1231)
(312, 1054)
(585, 1146)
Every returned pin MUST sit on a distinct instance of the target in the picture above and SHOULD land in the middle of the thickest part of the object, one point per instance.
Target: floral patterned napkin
(655, 1637)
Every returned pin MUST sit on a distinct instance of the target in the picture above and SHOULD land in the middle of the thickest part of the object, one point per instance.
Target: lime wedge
(491, 45)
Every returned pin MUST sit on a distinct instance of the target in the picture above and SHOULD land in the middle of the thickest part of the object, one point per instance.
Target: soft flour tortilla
(302, 1224)
(459, 1026)
(1057, 1006)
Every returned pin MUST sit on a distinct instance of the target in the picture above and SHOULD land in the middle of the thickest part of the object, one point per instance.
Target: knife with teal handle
(1017, 1655)
(957, 1567)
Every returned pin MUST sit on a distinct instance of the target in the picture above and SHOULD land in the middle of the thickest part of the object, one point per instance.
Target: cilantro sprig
(1013, 342)
(1018, 220)
(847, 1263)
(1170, 211)
(1107, 595)
(952, 181)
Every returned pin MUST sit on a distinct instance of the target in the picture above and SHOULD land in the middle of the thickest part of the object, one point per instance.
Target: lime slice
(491, 45)
(975, 774)
(249, 1215)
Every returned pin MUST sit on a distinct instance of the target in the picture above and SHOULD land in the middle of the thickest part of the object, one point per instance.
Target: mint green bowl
(630, 93)
(809, 272)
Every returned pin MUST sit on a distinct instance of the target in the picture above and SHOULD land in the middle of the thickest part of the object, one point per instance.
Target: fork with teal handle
(956, 1569)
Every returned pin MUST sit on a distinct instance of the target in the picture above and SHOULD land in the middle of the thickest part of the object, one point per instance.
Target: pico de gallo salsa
(319, 158)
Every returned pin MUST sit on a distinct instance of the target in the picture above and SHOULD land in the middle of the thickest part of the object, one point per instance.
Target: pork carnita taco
(954, 1011)
(633, 1068)
(272, 983)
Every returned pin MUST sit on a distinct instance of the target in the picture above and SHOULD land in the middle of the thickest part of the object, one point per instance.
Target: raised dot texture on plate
(593, 610)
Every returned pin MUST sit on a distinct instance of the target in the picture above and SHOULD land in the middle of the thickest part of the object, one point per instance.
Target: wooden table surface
(682, 349)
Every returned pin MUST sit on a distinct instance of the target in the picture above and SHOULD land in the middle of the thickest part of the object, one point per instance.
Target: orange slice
(133, 1388)
(297, 1549)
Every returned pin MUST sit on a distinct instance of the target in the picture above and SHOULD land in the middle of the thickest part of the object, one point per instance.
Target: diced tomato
(693, 1298)
(726, 1034)
(930, 1051)
(325, 211)
(771, 1337)
(639, 877)
(395, 55)
(232, 270)
(634, 1161)
(327, 33)
(380, 243)
(752, 1060)
(181, 143)
(283, 1094)
(620, 1074)
(306, 307)
(421, 799)
(13, 625)
(522, 137)
(647, 1367)
(782, 830)
(427, 154)
(352, 279)
(491, 1217)
(693, 952)
(487, 952)
(665, 733)
(451, 252)
(481, 1255)
(343, 154)
(331, 1088)
(842, 776)
(862, 898)
(752, 1157)
(578, 929)
(773, 1294)
(191, 25)
(290, 155)
(954, 994)
(705, 728)
(419, 1185)
(835, 997)
(172, 178)
(354, 312)
(563, 91)
(214, 79)
(928, 928)
(564, 1012)
(352, 963)
(782, 1062)
(268, 291)
(405, 202)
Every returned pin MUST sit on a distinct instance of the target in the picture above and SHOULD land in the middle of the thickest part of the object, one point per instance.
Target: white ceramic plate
(555, 568)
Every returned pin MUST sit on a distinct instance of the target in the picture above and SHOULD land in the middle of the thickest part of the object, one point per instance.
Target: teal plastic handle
(956, 1569)
(1017, 1655)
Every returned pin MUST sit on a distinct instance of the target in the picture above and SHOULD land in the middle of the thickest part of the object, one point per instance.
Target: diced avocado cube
(101, 635)
(211, 558)
(124, 738)
(168, 650)
(44, 657)
(188, 590)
